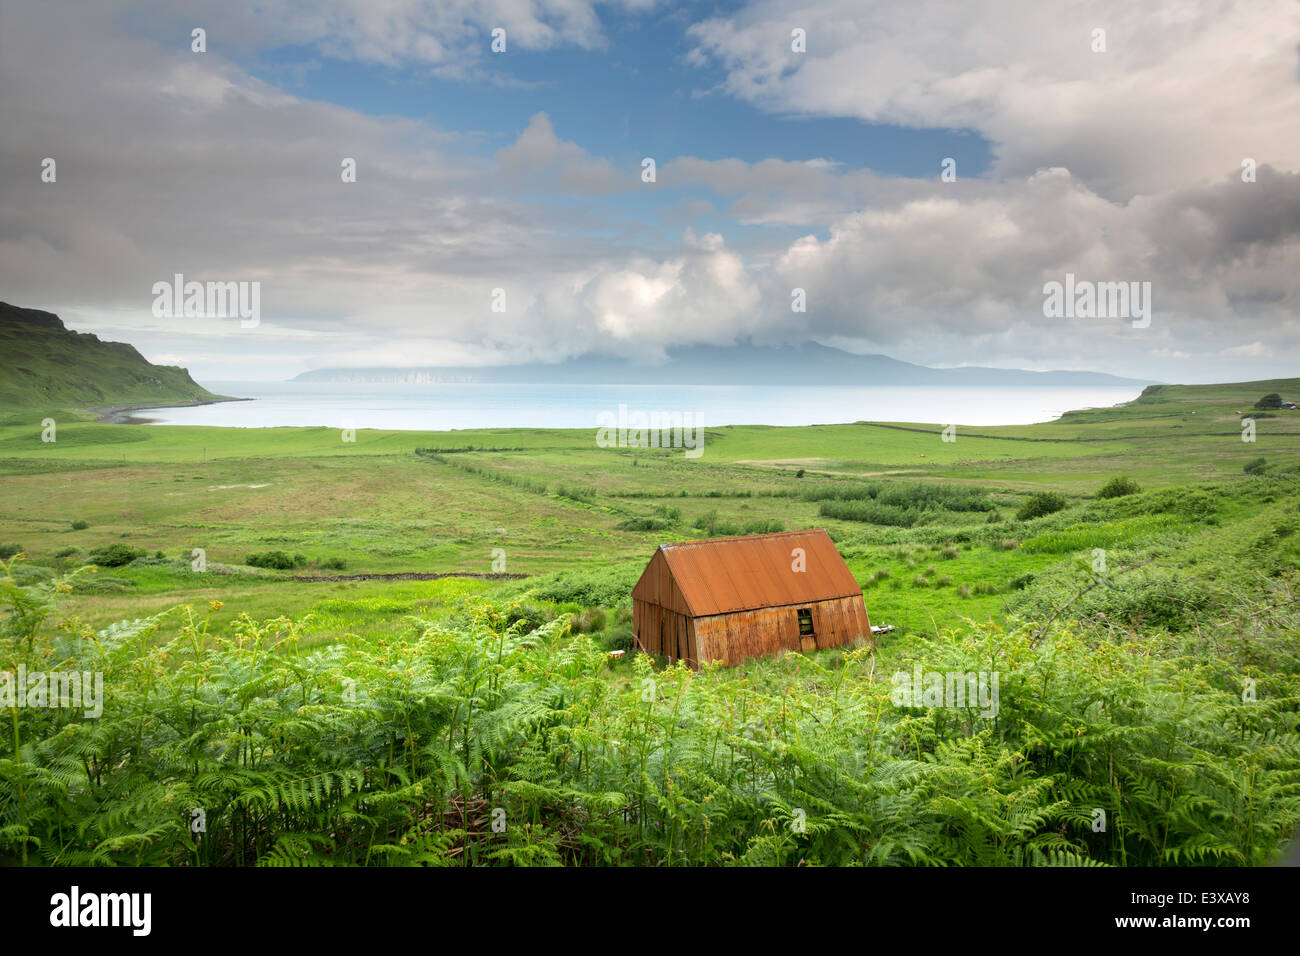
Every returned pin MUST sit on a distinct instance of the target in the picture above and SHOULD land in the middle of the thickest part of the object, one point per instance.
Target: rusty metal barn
(726, 599)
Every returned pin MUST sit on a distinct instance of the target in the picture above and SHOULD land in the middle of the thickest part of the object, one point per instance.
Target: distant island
(807, 364)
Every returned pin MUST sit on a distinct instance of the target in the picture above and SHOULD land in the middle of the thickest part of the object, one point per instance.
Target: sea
(445, 407)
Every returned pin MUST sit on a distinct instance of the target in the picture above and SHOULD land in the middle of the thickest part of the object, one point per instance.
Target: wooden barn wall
(660, 630)
(657, 586)
(731, 638)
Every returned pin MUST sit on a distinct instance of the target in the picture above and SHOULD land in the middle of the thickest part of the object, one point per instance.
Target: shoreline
(119, 414)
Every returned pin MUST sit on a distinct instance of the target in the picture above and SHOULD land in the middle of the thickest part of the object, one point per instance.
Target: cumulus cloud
(1182, 92)
(918, 279)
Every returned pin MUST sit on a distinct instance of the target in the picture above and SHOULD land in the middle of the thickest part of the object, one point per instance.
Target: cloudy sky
(775, 169)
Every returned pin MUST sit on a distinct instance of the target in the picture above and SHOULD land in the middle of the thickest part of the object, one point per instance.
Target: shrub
(607, 586)
(533, 616)
(618, 639)
(274, 560)
(115, 555)
(1152, 597)
(1271, 400)
(950, 551)
(66, 552)
(869, 512)
(80, 525)
(1255, 466)
(589, 621)
(643, 523)
(7, 551)
(1041, 504)
(1118, 487)
(29, 574)
(333, 564)
(713, 526)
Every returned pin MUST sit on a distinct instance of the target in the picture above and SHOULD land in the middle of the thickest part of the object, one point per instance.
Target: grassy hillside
(47, 367)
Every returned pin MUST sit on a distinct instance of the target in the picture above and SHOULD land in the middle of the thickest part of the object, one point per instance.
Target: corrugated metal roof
(720, 575)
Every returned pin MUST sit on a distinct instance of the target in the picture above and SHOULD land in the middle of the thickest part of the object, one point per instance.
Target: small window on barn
(805, 622)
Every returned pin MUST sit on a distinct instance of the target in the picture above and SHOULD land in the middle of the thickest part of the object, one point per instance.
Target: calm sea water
(445, 407)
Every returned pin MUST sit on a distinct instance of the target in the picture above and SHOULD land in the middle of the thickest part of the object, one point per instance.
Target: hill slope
(43, 364)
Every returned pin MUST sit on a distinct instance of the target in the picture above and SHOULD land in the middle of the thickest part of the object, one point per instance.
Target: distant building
(728, 599)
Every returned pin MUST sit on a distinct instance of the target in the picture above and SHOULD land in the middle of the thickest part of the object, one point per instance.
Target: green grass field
(557, 503)
(1204, 559)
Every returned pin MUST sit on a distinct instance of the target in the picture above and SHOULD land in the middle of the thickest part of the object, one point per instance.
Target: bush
(333, 564)
(869, 512)
(1118, 487)
(608, 586)
(713, 526)
(1041, 504)
(618, 639)
(80, 525)
(1271, 400)
(533, 616)
(1151, 597)
(7, 551)
(115, 555)
(29, 574)
(1255, 466)
(642, 523)
(66, 552)
(589, 621)
(274, 560)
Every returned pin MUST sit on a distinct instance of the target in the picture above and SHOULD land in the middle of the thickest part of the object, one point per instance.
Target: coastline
(120, 414)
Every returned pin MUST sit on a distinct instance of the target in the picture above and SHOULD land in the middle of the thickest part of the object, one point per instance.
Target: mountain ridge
(808, 364)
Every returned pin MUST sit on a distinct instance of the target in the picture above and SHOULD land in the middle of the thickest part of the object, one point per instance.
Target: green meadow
(1126, 626)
